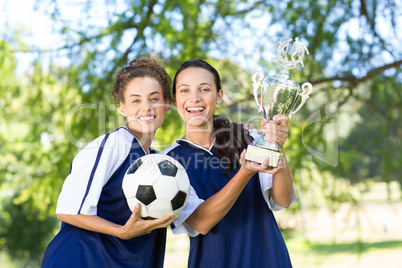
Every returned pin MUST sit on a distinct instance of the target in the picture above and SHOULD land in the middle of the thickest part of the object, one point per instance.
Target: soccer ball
(159, 183)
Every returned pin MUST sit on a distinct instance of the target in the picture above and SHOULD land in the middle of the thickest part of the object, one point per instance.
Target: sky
(41, 32)
(19, 14)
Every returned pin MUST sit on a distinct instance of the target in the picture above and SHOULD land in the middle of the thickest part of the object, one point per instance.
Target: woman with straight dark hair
(245, 232)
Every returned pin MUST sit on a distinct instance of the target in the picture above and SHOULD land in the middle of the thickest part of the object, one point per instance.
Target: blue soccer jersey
(248, 236)
(94, 187)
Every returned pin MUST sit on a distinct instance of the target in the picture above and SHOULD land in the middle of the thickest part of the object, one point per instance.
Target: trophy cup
(280, 94)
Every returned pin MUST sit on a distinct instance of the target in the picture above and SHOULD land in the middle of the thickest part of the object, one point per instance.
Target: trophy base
(258, 154)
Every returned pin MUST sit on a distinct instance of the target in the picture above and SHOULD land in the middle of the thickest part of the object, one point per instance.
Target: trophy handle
(305, 94)
(256, 85)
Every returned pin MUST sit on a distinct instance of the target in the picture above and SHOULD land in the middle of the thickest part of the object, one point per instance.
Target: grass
(365, 236)
(378, 193)
(354, 254)
(311, 254)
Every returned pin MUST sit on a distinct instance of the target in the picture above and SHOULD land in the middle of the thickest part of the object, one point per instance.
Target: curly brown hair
(144, 67)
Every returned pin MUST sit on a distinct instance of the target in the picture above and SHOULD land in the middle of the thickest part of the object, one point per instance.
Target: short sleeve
(179, 226)
(266, 184)
(90, 170)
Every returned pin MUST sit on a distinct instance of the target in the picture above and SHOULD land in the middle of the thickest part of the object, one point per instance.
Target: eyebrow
(183, 85)
(137, 95)
(202, 84)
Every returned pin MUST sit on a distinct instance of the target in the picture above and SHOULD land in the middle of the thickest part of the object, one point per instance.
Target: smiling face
(196, 97)
(144, 106)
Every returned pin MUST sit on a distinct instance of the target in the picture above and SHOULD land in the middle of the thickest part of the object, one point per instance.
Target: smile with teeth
(195, 109)
(147, 118)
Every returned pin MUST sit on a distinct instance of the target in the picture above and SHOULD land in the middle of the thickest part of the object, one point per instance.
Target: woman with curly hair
(98, 228)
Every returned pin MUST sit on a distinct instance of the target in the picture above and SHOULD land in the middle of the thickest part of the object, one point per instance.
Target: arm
(134, 227)
(211, 211)
(282, 183)
(77, 207)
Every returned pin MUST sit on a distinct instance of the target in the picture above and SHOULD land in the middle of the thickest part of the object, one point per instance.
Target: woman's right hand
(136, 226)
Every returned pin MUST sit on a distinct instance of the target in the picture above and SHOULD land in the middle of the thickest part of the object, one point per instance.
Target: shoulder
(182, 154)
(119, 141)
(113, 143)
(177, 150)
(172, 148)
(121, 137)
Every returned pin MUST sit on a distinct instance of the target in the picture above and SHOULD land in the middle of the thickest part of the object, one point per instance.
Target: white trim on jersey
(91, 168)
(179, 226)
(196, 145)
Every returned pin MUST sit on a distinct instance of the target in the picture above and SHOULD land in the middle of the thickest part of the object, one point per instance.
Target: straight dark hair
(230, 138)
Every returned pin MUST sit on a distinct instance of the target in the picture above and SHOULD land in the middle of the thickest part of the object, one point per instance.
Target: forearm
(92, 223)
(282, 185)
(135, 226)
(210, 212)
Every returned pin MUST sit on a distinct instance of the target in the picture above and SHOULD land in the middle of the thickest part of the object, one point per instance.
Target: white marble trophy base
(258, 154)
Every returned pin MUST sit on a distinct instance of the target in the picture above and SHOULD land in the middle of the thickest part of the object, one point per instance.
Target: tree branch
(354, 79)
(236, 102)
(139, 35)
(351, 79)
(254, 6)
(371, 22)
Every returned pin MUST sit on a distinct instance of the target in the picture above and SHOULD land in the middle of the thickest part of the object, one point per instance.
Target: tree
(373, 145)
(35, 154)
(354, 66)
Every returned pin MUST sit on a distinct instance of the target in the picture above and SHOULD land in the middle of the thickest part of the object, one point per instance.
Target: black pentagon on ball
(178, 200)
(134, 166)
(167, 168)
(145, 194)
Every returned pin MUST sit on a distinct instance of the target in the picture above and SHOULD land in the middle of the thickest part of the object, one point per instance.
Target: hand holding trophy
(279, 95)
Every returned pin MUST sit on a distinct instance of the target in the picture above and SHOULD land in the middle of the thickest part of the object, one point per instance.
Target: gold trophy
(280, 94)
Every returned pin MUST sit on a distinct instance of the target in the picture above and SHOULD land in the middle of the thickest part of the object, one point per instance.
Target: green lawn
(355, 254)
(367, 235)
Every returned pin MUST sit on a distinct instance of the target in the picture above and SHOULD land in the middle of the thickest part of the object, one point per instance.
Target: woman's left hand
(254, 167)
(277, 129)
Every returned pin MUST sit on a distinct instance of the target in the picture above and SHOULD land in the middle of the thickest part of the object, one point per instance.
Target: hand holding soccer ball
(136, 226)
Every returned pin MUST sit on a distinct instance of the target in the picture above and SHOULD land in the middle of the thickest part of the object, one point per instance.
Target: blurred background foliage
(347, 135)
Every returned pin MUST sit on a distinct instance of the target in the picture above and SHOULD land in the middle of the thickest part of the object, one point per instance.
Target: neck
(145, 139)
(200, 136)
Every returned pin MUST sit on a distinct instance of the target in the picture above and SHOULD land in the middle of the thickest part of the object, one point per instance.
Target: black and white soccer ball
(159, 183)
